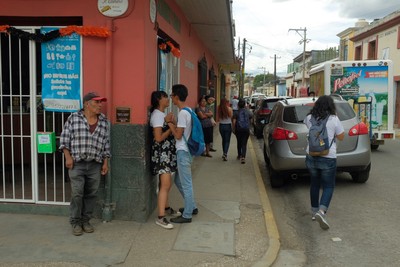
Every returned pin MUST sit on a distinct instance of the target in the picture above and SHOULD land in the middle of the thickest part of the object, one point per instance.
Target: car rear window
(344, 111)
(269, 103)
(296, 114)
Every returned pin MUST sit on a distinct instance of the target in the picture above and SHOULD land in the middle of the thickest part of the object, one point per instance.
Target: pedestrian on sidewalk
(235, 107)
(322, 169)
(163, 155)
(181, 132)
(85, 142)
(225, 114)
(241, 128)
(211, 106)
(205, 115)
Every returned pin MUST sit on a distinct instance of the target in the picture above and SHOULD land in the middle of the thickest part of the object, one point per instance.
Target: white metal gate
(25, 175)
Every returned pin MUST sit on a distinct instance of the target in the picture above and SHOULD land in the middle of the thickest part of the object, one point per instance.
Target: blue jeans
(225, 130)
(183, 181)
(322, 173)
(85, 181)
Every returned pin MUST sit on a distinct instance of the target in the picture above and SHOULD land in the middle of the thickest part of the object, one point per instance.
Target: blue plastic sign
(61, 73)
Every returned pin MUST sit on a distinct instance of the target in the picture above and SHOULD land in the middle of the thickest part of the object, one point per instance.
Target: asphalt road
(363, 217)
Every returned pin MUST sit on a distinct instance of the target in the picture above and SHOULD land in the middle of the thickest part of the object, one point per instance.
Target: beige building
(346, 50)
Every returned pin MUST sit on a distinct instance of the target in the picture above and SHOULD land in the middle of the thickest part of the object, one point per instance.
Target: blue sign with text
(61, 73)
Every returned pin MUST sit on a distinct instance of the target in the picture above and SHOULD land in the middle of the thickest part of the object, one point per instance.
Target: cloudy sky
(265, 24)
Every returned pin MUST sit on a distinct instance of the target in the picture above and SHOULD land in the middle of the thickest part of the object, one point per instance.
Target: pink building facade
(127, 50)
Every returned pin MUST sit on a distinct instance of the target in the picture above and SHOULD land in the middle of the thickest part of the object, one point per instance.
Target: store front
(121, 57)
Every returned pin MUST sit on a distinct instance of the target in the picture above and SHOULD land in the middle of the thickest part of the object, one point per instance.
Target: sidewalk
(235, 227)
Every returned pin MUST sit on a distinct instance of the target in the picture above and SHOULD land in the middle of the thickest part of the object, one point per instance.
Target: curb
(273, 234)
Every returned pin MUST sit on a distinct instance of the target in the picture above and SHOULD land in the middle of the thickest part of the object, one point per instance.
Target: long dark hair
(323, 107)
(241, 103)
(155, 99)
(223, 110)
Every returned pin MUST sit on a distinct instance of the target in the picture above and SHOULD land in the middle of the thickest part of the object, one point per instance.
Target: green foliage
(259, 79)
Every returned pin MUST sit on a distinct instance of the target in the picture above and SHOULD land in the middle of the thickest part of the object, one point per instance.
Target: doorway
(27, 176)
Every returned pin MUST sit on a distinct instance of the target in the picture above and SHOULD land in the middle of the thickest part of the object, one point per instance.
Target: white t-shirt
(184, 121)
(334, 127)
(235, 103)
(157, 118)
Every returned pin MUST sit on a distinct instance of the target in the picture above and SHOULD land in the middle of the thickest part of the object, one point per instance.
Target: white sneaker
(321, 219)
(171, 212)
(164, 223)
(313, 216)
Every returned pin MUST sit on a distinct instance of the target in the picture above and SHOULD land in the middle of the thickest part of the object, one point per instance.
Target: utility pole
(275, 78)
(240, 70)
(304, 41)
(244, 61)
(263, 68)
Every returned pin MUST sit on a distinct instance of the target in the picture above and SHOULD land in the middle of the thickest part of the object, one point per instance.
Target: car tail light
(283, 134)
(359, 129)
(265, 111)
(387, 136)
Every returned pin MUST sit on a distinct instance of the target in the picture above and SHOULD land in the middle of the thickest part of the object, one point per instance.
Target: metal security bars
(25, 175)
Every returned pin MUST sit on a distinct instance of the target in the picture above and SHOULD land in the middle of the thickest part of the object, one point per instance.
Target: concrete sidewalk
(235, 227)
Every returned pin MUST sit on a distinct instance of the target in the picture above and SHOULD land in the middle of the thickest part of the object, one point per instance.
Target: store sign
(112, 8)
(61, 73)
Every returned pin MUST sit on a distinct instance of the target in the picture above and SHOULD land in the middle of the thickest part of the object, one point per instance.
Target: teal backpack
(195, 142)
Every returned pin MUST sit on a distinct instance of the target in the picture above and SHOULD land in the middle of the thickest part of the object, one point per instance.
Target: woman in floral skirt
(163, 155)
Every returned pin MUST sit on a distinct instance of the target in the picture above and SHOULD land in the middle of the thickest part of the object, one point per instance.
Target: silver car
(285, 141)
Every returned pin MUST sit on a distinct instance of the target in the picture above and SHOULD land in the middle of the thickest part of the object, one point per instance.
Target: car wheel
(266, 160)
(276, 179)
(362, 176)
(374, 147)
(257, 132)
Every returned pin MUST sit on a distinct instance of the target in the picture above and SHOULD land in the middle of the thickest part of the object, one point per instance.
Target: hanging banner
(61, 73)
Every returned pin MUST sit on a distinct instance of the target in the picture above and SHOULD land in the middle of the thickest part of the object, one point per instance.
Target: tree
(259, 79)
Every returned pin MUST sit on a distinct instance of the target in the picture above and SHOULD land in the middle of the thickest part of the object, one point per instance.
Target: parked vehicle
(368, 86)
(254, 98)
(262, 112)
(285, 141)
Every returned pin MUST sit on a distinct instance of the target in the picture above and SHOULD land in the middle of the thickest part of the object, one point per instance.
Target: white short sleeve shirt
(184, 121)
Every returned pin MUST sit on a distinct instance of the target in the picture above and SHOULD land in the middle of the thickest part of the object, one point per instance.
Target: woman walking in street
(163, 156)
(225, 114)
(323, 168)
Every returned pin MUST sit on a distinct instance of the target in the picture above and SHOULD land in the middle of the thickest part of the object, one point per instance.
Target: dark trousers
(242, 137)
(85, 181)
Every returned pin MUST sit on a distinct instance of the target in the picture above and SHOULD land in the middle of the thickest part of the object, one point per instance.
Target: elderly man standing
(86, 145)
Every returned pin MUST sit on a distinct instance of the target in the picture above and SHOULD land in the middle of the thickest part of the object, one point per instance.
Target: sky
(266, 26)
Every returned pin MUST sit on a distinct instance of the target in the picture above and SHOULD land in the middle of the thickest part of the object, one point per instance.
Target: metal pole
(244, 61)
(304, 40)
(303, 79)
(275, 75)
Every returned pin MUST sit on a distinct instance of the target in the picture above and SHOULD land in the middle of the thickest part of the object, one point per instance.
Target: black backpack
(242, 121)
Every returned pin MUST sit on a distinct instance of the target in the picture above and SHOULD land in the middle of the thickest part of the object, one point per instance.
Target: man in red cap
(86, 145)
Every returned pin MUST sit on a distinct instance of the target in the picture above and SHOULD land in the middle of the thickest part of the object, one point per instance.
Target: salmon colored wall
(133, 60)
(192, 50)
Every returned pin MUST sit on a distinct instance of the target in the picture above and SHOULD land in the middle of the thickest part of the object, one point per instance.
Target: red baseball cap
(93, 96)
